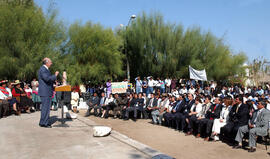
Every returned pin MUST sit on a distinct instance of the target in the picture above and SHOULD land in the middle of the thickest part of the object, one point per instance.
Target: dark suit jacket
(140, 102)
(133, 102)
(102, 99)
(181, 107)
(241, 117)
(189, 105)
(214, 114)
(124, 101)
(94, 101)
(45, 80)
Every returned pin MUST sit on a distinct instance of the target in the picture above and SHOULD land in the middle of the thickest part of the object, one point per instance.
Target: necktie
(255, 120)
(237, 108)
(177, 105)
(213, 111)
(214, 108)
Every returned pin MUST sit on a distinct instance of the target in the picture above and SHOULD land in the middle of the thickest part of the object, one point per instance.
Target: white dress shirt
(151, 83)
(183, 91)
(198, 109)
(192, 91)
(165, 104)
(168, 82)
(268, 106)
(46, 67)
(108, 100)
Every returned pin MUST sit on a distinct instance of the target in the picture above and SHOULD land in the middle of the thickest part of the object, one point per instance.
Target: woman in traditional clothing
(12, 101)
(24, 101)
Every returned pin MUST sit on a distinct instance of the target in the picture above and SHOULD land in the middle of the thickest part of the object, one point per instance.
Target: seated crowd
(18, 97)
(209, 111)
(205, 110)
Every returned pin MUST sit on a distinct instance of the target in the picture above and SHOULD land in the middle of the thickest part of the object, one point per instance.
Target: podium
(66, 88)
(63, 95)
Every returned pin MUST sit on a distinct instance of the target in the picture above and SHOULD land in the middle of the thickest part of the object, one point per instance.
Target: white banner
(197, 75)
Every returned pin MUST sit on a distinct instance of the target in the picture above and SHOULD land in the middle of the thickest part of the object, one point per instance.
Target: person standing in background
(150, 84)
(168, 85)
(145, 86)
(34, 84)
(138, 85)
(109, 87)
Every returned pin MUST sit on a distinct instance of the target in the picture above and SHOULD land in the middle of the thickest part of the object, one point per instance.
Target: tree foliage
(95, 53)
(90, 52)
(163, 49)
(26, 37)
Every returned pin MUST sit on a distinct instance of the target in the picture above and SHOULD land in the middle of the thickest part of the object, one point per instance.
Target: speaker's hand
(56, 73)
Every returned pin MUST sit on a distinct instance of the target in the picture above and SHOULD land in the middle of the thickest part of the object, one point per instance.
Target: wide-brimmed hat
(16, 82)
(3, 81)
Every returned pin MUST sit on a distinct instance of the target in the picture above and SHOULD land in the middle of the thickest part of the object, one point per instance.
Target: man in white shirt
(161, 105)
(82, 89)
(195, 113)
(74, 100)
(175, 92)
(106, 107)
(157, 85)
(168, 85)
(191, 90)
(183, 90)
(150, 84)
(138, 85)
(167, 110)
(213, 85)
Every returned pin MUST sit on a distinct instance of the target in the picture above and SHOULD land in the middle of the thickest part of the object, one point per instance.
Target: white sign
(197, 75)
(119, 87)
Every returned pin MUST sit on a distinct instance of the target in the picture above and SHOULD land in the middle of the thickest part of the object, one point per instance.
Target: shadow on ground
(54, 119)
(135, 155)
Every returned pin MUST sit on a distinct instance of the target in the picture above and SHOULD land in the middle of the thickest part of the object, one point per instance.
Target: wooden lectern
(66, 88)
(62, 90)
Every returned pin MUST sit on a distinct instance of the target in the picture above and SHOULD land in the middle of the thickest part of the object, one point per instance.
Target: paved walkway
(21, 137)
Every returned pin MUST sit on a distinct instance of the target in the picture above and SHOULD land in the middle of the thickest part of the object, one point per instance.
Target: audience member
(257, 126)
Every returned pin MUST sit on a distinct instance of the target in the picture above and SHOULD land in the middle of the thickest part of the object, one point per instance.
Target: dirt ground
(176, 144)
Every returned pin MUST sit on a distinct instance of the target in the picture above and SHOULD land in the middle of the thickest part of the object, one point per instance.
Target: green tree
(163, 49)
(94, 53)
(27, 35)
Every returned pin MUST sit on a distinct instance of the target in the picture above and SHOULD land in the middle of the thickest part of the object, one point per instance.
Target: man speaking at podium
(45, 91)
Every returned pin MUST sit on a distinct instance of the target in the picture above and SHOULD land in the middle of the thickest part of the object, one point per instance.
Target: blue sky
(244, 24)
